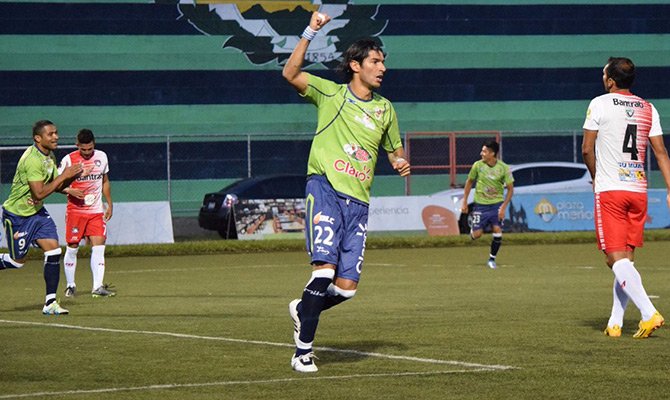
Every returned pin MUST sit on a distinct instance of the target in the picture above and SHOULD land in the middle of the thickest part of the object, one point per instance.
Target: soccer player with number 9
(25, 220)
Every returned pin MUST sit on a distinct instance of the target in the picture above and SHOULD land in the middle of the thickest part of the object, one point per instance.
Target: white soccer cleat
(54, 309)
(103, 291)
(492, 264)
(293, 312)
(304, 363)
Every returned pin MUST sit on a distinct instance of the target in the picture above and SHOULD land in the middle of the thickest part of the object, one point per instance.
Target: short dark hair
(622, 71)
(358, 51)
(493, 145)
(85, 136)
(39, 125)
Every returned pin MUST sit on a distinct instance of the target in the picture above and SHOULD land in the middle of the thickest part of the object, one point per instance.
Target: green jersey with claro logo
(33, 166)
(348, 136)
(491, 181)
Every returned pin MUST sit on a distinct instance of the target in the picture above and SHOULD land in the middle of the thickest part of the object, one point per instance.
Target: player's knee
(53, 255)
(476, 234)
(6, 262)
(326, 273)
(334, 290)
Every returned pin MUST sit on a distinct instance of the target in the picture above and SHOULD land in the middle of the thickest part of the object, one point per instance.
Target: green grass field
(429, 323)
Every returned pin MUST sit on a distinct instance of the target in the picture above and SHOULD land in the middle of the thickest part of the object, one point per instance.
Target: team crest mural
(267, 31)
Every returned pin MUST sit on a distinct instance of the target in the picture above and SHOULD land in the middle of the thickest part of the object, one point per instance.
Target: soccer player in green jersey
(352, 122)
(492, 177)
(25, 219)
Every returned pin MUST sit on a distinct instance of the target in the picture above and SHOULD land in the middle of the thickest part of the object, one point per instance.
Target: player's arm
(466, 194)
(589, 151)
(64, 163)
(70, 191)
(39, 190)
(293, 68)
(661, 154)
(399, 161)
(107, 192)
(508, 199)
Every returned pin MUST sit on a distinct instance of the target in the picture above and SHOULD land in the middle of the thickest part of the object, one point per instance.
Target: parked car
(537, 177)
(217, 214)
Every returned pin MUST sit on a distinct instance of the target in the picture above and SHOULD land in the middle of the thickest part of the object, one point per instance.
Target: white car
(538, 177)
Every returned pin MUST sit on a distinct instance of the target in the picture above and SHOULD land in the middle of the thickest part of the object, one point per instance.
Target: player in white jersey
(618, 127)
(86, 217)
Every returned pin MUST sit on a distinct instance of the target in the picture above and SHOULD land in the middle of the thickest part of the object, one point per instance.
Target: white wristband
(309, 33)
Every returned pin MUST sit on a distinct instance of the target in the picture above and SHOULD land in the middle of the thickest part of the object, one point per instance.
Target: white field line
(230, 383)
(306, 265)
(265, 343)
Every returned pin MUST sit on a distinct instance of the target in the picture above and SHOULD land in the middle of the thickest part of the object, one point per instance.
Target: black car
(216, 211)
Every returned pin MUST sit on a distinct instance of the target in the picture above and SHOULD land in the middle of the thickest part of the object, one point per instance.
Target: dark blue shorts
(336, 228)
(22, 232)
(484, 215)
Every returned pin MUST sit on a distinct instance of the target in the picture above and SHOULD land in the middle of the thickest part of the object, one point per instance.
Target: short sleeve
(393, 141)
(509, 178)
(319, 89)
(64, 163)
(656, 129)
(34, 170)
(473, 172)
(592, 121)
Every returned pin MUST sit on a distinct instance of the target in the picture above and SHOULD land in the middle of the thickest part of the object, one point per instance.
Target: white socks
(70, 264)
(619, 303)
(631, 283)
(98, 265)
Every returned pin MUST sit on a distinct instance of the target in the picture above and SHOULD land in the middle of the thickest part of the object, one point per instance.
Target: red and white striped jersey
(90, 184)
(624, 123)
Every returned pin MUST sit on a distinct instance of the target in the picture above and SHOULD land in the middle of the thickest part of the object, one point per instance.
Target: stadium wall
(137, 68)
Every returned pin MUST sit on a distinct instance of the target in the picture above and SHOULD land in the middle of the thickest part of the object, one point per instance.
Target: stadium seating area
(135, 68)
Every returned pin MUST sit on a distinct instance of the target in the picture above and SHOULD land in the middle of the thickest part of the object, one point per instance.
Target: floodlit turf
(426, 324)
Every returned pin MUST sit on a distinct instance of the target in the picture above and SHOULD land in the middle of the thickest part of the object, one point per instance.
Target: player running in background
(617, 129)
(25, 219)
(352, 122)
(490, 201)
(86, 217)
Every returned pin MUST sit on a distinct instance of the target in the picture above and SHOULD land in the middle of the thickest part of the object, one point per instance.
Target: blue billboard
(573, 211)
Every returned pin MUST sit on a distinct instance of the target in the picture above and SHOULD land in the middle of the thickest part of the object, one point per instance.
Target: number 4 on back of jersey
(630, 142)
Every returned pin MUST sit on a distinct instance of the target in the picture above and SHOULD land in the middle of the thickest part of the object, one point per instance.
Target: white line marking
(141, 271)
(264, 343)
(306, 265)
(229, 383)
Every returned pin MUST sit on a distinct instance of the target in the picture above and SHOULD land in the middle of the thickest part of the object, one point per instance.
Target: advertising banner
(433, 214)
(438, 216)
(270, 218)
(285, 218)
(132, 223)
(573, 211)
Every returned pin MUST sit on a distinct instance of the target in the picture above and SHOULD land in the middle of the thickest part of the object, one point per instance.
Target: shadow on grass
(28, 307)
(599, 324)
(205, 296)
(351, 352)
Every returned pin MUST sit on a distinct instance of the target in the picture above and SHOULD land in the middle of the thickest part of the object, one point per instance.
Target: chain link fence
(182, 169)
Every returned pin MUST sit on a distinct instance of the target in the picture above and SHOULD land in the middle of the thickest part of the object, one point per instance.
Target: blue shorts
(21, 232)
(336, 228)
(485, 215)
